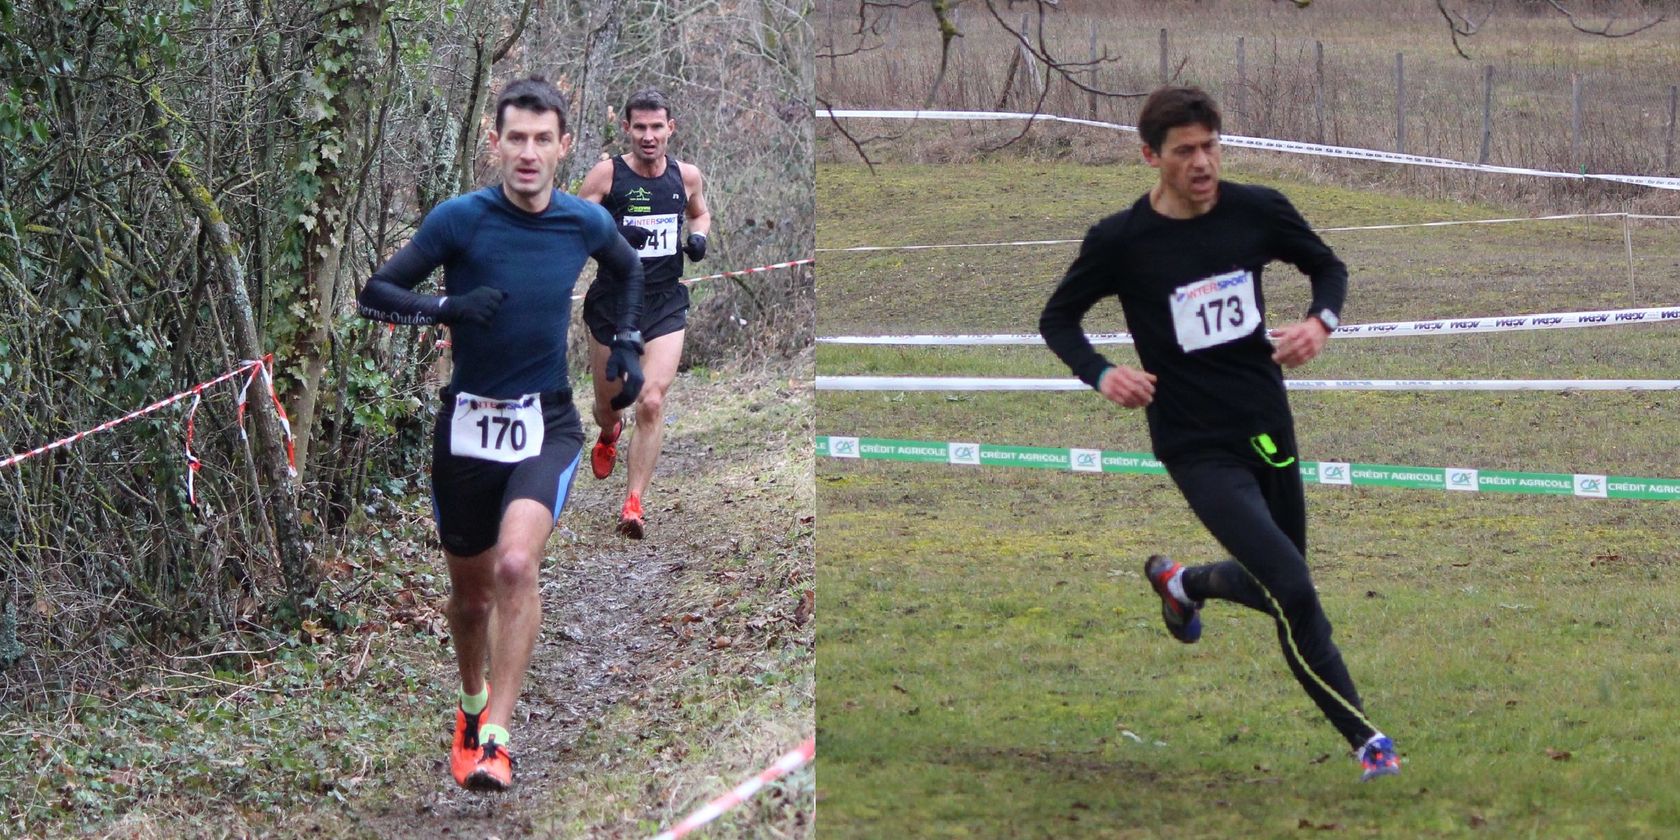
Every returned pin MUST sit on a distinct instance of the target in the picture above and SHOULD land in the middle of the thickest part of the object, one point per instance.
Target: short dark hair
(647, 99)
(1170, 107)
(532, 94)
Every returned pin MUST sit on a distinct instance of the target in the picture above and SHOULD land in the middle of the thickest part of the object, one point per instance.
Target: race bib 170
(663, 241)
(1214, 310)
(508, 431)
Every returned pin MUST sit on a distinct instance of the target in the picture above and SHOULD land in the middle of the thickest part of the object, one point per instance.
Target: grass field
(991, 663)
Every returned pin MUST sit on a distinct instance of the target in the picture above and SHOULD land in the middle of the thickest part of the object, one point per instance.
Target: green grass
(992, 663)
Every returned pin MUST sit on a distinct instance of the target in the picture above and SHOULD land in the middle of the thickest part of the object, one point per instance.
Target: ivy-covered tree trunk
(484, 58)
(594, 93)
(330, 162)
(280, 500)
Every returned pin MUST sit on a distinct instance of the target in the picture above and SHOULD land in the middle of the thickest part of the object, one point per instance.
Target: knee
(470, 607)
(1299, 603)
(515, 571)
(651, 405)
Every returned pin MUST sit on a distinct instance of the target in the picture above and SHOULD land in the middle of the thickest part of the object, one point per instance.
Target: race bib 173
(663, 241)
(508, 431)
(1214, 310)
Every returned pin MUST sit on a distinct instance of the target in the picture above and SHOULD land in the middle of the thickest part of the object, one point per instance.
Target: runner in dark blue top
(1185, 262)
(653, 197)
(507, 440)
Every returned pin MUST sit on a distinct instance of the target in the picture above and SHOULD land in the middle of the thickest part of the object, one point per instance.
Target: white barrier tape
(1440, 326)
(1398, 226)
(788, 763)
(964, 340)
(1291, 146)
(978, 383)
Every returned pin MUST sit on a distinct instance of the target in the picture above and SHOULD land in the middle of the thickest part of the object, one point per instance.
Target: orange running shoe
(494, 770)
(630, 519)
(605, 453)
(464, 752)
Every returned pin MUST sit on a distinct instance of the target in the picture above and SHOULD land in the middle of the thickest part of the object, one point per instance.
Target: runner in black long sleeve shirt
(1186, 262)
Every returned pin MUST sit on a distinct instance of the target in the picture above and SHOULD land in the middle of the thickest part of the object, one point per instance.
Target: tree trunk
(604, 24)
(334, 149)
(270, 454)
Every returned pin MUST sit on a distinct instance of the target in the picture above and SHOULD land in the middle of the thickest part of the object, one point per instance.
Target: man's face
(1189, 164)
(650, 133)
(530, 146)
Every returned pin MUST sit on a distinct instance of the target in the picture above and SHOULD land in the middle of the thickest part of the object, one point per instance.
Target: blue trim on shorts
(564, 489)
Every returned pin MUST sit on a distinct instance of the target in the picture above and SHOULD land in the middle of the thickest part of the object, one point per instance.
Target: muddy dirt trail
(635, 633)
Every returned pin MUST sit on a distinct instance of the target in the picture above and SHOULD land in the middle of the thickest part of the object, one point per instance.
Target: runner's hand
(1127, 386)
(625, 363)
(695, 247)
(1300, 342)
(475, 307)
(636, 236)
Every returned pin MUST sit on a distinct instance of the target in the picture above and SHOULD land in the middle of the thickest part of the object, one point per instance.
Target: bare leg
(659, 370)
(471, 596)
(518, 614)
(605, 416)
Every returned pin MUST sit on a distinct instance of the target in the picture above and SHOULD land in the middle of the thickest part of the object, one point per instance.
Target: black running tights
(1258, 513)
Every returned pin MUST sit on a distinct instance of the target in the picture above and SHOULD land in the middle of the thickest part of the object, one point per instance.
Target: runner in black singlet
(1185, 262)
(653, 197)
(507, 440)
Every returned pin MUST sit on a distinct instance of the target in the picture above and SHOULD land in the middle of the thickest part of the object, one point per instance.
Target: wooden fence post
(1400, 102)
(1668, 154)
(1027, 56)
(1487, 113)
(1318, 88)
(1163, 55)
(1092, 96)
(1575, 123)
(1242, 86)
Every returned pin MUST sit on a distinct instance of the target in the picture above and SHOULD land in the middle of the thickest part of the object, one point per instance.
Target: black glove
(475, 307)
(625, 363)
(695, 247)
(636, 236)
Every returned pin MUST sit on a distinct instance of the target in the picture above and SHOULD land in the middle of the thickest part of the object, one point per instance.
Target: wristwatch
(1328, 318)
(629, 339)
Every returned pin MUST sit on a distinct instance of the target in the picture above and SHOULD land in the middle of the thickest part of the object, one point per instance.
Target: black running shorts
(664, 311)
(470, 495)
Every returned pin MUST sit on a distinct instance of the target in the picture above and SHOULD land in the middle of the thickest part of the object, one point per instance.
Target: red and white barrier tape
(689, 281)
(265, 369)
(163, 403)
(790, 264)
(712, 810)
(256, 368)
(1441, 326)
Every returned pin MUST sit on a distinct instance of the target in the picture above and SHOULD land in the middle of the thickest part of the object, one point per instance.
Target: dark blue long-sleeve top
(482, 238)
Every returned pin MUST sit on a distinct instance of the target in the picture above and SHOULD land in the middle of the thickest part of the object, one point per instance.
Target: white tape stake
(788, 763)
(975, 383)
(1239, 141)
(1441, 326)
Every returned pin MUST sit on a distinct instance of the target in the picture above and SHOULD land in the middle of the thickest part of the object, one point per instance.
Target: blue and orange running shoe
(1378, 758)
(1183, 619)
